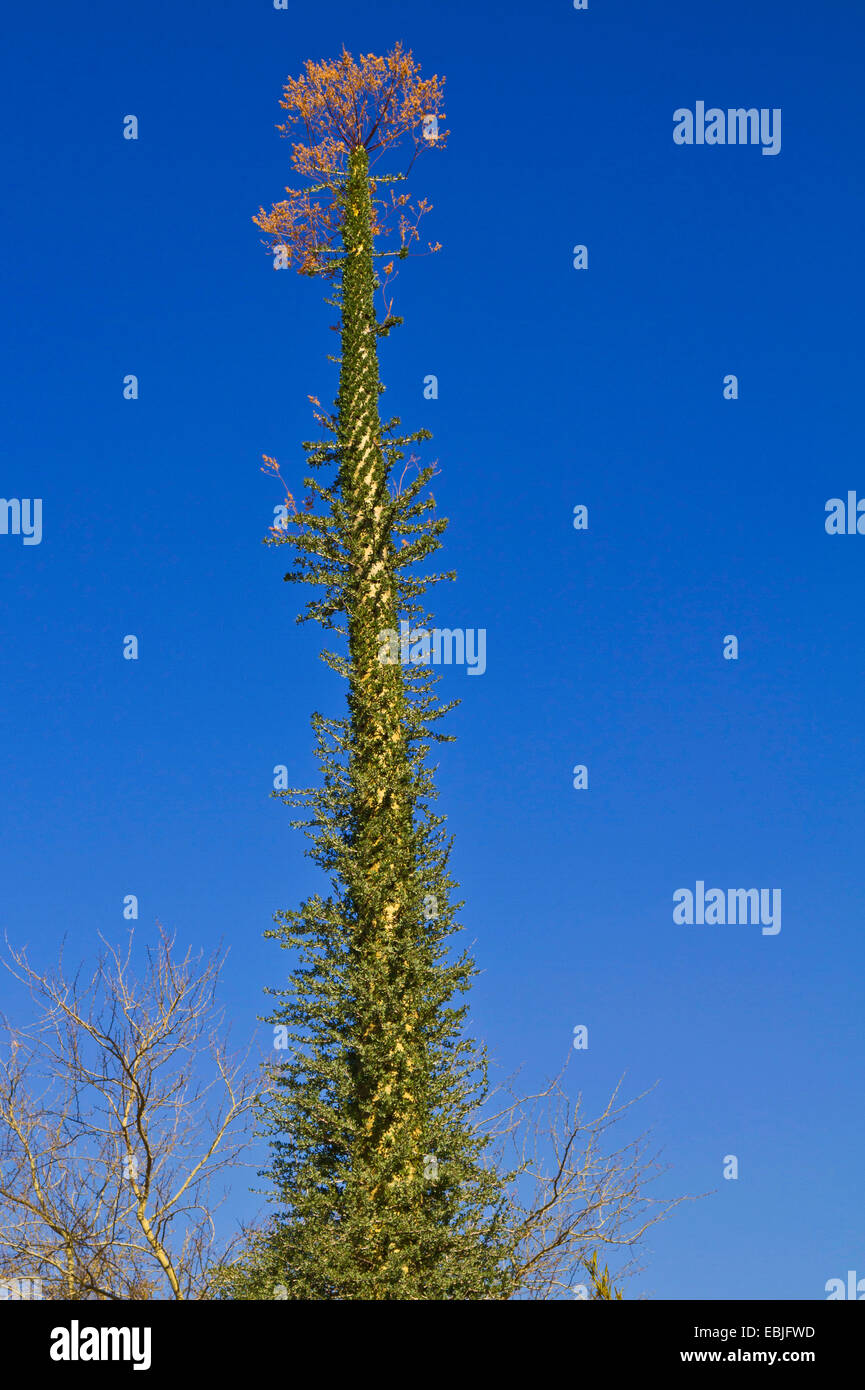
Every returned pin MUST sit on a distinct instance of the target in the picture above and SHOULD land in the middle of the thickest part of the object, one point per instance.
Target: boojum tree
(382, 1182)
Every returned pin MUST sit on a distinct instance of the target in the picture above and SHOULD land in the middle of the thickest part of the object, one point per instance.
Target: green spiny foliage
(601, 1281)
(382, 1184)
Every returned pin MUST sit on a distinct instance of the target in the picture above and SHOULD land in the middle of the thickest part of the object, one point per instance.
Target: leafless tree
(575, 1194)
(119, 1105)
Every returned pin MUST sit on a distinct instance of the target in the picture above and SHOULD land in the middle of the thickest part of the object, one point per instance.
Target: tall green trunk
(386, 1161)
(384, 1188)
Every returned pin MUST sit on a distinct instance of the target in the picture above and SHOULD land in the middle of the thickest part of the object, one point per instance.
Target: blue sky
(604, 647)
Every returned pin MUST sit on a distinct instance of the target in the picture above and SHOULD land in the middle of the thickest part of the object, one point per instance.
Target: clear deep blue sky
(557, 387)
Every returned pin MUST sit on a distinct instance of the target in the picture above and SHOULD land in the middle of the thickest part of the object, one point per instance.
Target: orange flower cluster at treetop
(344, 105)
